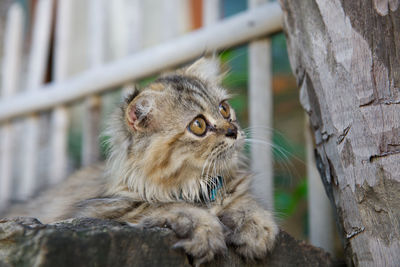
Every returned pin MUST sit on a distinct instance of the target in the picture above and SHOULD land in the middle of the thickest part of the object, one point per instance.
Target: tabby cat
(174, 162)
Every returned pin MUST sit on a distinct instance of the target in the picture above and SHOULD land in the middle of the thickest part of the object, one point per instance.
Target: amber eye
(225, 110)
(198, 126)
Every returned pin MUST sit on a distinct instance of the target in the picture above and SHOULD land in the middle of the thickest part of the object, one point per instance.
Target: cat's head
(173, 138)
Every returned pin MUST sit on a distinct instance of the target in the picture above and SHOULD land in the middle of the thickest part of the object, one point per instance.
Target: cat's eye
(225, 110)
(198, 126)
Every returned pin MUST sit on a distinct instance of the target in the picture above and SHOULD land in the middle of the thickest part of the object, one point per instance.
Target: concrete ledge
(94, 242)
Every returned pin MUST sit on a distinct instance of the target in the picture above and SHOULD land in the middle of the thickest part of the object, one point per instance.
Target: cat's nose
(231, 131)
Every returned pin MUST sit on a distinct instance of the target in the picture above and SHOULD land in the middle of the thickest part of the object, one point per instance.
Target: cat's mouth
(222, 158)
(240, 141)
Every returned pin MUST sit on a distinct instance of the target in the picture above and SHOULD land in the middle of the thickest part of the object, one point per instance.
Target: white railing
(10, 69)
(239, 29)
(252, 26)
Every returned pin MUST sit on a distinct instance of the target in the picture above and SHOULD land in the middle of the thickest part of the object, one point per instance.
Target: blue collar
(213, 191)
(213, 188)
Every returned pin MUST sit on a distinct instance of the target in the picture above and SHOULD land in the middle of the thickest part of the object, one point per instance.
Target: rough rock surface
(94, 242)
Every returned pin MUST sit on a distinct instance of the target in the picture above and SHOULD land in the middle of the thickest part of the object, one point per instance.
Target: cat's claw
(202, 251)
(201, 238)
(178, 245)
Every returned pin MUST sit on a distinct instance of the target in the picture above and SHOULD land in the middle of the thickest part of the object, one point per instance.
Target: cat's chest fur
(174, 161)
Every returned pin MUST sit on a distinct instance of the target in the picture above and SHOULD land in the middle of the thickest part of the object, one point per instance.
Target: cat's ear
(208, 69)
(138, 112)
(131, 93)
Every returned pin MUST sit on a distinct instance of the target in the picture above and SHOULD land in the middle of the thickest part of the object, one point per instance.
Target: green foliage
(235, 60)
(280, 60)
(286, 201)
(146, 81)
(75, 146)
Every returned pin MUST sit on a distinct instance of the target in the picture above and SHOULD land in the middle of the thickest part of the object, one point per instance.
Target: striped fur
(158, 173)
(159, 160)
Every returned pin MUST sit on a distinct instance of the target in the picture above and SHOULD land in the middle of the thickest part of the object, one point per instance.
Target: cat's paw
(254, 235)
(201, 235)
(206, 241)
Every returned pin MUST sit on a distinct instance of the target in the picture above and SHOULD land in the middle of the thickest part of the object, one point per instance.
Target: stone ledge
(94, 242)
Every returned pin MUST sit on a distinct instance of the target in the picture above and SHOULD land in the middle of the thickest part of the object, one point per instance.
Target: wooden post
(60, 120)
(12, 55)
(320, 219)
(37, 68)
(260, 103)
(92, 113)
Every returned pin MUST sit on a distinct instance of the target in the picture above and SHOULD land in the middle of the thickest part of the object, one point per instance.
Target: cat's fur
(159, 173)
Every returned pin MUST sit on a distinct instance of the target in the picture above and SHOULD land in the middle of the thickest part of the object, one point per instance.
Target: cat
(174, 162)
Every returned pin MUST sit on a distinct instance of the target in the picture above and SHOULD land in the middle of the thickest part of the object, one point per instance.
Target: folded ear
(208, 69)
(131, 94)
(138, 112)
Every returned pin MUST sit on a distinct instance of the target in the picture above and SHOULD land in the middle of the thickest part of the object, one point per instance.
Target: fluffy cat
(174, 162)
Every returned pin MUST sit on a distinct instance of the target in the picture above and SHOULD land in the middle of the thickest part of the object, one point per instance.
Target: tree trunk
(346, 58)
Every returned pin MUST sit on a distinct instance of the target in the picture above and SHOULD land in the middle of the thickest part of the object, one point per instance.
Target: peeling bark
(346, 58)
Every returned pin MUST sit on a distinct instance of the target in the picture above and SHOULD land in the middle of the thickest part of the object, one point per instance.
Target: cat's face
(182, 128)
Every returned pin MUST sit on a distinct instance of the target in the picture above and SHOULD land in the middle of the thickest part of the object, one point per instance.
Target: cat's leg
(112, 207)
(201, 233)
(252, 229)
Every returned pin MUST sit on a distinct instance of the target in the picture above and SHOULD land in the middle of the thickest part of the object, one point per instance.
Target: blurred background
(100, 32)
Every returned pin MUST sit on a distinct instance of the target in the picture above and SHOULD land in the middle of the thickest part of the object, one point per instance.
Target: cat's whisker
(209, 170)
(237, 55)
(204, 190)
(205, 163)
(281, 150)
(249, 133)
(223, 193)
(243, 159)
(214, 172)
(210, 160)
(263, 129)
(227, 169)
(285, 162)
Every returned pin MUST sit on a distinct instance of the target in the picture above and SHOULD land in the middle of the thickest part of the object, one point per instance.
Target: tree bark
(346, 58)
